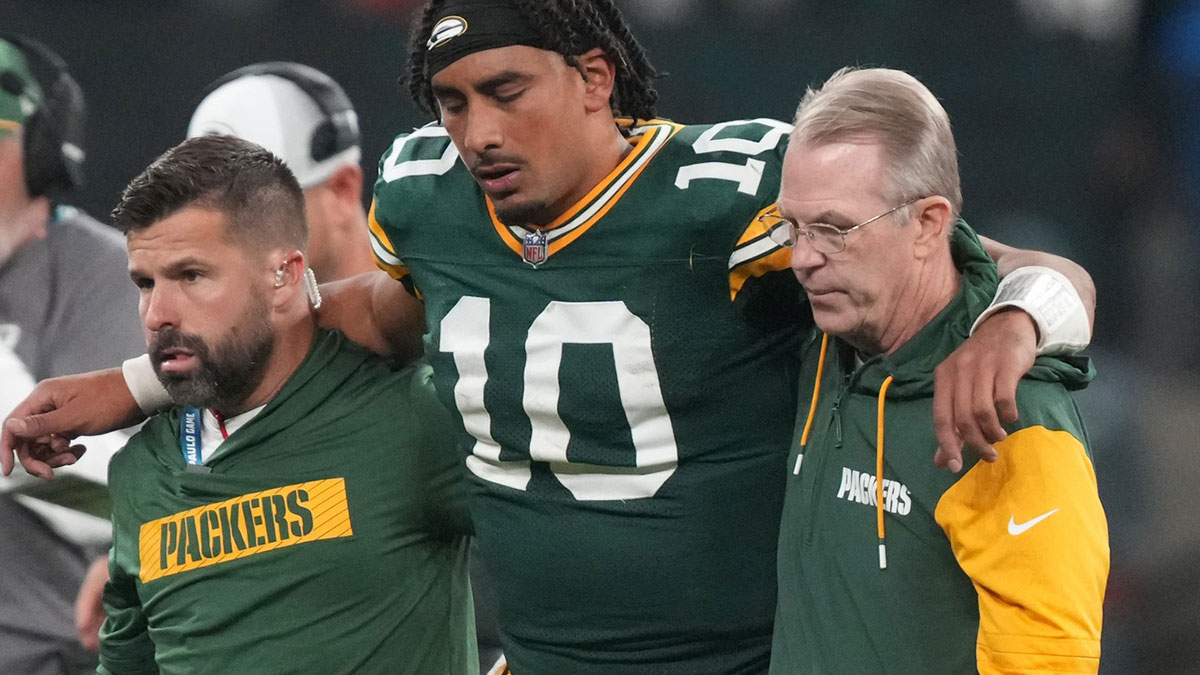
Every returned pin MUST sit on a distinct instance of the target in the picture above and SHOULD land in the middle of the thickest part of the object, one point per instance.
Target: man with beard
(301, 501)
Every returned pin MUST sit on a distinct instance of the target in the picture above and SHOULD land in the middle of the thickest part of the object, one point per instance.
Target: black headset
(53, 134)
(338, 131)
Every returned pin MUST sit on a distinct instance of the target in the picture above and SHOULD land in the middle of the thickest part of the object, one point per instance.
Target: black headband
(468, 26)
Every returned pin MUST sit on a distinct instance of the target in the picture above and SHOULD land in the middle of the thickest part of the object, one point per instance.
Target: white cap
(275, 113)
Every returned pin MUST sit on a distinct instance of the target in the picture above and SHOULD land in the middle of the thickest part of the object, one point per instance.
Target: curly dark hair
(569, 27)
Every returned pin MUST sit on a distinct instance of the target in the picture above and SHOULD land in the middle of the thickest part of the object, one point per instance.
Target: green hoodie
(327, 535)
(1000, 568)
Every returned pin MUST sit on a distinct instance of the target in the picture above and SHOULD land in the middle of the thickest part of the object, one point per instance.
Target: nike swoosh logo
(1015, 529)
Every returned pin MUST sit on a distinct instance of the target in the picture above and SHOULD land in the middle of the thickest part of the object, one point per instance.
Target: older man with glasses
(887, 564)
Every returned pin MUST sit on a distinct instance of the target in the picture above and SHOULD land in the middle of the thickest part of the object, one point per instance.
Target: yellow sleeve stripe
(775, 261)
(755, 255)
(378, 236)
(756, 229)
(385, 254)
(1030, 532)
(396, 272)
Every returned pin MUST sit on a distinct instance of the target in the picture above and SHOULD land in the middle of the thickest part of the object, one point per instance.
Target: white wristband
(1050, 299)
(150, 394)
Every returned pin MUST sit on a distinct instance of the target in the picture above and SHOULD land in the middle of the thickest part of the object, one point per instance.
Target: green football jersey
(624, 384)
(328, 535)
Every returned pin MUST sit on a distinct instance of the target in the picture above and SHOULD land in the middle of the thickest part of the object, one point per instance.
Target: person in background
(66, 306)
(305, 118)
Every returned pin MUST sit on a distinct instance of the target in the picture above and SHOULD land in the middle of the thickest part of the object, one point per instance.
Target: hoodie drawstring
(879, 473)
(812, 413)
(812, 408)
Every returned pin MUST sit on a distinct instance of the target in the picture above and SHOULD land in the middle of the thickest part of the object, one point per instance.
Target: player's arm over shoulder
(1030, 532)
(372, 310)
(736, 167)
(377, 312)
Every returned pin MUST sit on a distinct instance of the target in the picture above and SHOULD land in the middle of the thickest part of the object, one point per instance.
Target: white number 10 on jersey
(465, 334)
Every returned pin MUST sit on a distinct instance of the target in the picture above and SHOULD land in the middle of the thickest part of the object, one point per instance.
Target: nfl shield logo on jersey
(534, 252)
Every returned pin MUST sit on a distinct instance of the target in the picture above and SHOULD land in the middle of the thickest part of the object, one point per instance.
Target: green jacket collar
(331, 360)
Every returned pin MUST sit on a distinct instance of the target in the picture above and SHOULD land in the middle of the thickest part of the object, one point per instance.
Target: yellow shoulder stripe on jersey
(1030, 532)
(755, 254)
(244, 526)
(597, 203)
(381, 247)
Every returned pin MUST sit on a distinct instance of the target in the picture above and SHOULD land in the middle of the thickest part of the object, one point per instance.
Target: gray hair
(893, 108)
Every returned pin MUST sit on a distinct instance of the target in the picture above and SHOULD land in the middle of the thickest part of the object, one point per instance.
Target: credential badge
(534, 251)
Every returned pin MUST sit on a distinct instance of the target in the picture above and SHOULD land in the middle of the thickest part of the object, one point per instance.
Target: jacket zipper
(818, 474)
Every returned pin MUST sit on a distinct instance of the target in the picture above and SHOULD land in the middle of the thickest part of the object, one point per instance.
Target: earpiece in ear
(279, 278)
(310, 285)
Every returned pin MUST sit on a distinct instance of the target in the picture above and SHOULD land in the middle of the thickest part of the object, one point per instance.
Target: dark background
(1078, 124)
